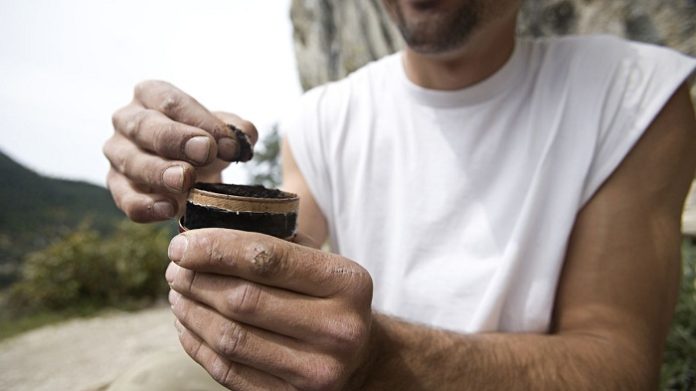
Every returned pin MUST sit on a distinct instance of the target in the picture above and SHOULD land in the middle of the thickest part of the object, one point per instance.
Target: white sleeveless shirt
(460, 204)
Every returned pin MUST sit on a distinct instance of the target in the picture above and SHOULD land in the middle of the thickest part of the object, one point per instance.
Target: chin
(438, 33)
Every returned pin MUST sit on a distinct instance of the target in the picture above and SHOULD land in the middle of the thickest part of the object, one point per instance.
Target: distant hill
(34, 210)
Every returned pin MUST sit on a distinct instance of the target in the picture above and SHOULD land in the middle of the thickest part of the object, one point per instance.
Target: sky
(66, 66)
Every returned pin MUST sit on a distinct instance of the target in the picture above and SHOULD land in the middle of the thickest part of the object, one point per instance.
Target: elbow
(618, 366)
(635, 374)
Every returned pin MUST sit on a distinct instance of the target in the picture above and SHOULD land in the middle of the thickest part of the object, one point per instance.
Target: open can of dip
(246, 208)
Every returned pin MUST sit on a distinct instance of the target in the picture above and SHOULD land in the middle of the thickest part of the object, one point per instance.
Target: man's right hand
(165, 141)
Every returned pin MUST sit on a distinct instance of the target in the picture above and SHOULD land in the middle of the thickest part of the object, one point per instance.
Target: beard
(437, 31)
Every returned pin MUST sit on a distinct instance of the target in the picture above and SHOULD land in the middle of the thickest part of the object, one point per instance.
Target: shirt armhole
(655, 93)
(302, 127)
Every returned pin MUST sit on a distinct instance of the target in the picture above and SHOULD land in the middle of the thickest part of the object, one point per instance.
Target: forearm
(413, 357)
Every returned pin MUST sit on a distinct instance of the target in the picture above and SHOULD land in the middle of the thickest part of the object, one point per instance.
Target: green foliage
(265, 168)
(679, 364)
(36, 210)
(87, 269)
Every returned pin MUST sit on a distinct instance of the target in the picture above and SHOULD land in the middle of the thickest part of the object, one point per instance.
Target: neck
(483, 55)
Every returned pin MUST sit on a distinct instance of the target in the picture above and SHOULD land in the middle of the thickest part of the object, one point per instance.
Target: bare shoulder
(663, 160)
(621, 273)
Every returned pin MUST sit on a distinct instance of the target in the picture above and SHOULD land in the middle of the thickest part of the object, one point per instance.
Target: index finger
(180, 107)
(267, 260)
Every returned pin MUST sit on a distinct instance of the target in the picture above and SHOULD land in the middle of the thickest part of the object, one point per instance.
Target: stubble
(438, 31)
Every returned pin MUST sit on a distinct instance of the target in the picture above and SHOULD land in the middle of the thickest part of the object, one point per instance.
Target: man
(515, 203)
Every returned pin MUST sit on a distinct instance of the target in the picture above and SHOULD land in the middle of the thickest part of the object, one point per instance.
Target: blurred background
(76, 279)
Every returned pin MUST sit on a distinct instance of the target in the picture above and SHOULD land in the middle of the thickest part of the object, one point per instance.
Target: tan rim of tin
(234, 203)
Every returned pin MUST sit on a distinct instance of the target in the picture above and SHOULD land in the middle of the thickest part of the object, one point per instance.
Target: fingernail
(177, 248)
(164, 209)
(173, 177)
(228, 149)
(197, 149)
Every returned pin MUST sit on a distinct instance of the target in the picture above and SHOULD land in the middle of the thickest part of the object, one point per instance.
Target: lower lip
(422, 5)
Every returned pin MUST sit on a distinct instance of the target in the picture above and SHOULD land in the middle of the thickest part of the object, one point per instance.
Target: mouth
(423, 5)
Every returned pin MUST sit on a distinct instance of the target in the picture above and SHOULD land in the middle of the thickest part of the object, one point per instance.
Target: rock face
(662, 22)
(335, 37)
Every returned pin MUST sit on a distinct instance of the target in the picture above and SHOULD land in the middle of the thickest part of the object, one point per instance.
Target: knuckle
(363, 285)
(107, 148)
(324, 375)
(123, 118)
(171, 104)
(219, 374)
(189, 278)
(186, 313)
(110, 182)
(191, 345)
(244, 299)
(225, 374)
(117, 155)
(268, 260)
(356, 283)
(162, 137)
(133, 124)
(140, 87)
(143, 86)
(347, 334)
(232, 339)
(116, 118)
(212, 247)
(122, 164)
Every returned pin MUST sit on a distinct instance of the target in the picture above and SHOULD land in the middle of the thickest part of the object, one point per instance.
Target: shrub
(679, 364)
(86, 269)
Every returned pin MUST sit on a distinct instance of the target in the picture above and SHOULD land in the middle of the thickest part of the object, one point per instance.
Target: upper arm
(311, 222)
(621, 273)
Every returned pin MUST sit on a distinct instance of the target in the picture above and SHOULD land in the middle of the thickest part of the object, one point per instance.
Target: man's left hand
(262, 313)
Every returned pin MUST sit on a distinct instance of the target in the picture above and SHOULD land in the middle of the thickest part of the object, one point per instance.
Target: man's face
(438, 26)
